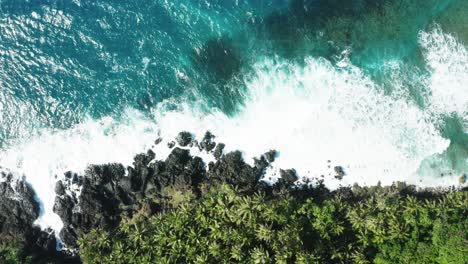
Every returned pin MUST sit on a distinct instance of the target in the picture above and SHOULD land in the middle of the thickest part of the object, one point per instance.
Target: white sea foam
(447, 60)
(315, 114)
(55, 152)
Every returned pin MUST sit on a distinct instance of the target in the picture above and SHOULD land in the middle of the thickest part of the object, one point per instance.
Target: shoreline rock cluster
(111, 192)
(106, 194)
(18, 211)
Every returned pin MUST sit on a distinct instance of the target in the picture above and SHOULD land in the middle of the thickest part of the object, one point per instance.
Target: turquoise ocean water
(379, 87)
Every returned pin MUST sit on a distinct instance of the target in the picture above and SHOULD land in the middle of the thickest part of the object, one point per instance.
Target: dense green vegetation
(12, 252)
(359, 225)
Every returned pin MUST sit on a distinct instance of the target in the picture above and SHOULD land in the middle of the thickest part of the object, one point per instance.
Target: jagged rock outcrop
(208, 143)
(18, 208)
(18, 211)
(340, 173)
(218, 152)
(108, 193)
(288, 178)
(184, 138)
(97, 204)
(232, 169)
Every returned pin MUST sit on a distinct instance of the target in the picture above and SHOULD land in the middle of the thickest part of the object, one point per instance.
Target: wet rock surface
(208, 142)
(288, 178)
(96, 206)
(339, 171)
(270, 156)
(18, 208)
(232, 169)
(109, 193)
(184, 138)
(219, 151)
(171, 144)
(106, 194)
(18, 211)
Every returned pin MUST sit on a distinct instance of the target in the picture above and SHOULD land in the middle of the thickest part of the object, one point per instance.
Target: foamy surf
(319, 117)
(447, 60)
(45, 159)
(315, 114)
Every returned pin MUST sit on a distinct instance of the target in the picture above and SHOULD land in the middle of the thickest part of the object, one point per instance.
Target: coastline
(106, 194)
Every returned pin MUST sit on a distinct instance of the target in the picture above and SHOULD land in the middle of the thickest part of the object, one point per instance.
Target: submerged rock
(218, 57)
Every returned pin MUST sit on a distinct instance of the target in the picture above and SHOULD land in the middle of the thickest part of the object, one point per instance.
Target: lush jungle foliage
(225, 225)
(12, 252)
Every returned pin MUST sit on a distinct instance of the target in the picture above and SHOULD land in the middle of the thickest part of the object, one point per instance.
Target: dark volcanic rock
(59, 188)
(107, 194)
(180, 171)
(139, 173)
(45, 241)
(339, 172)
(98, 204)
(208, 143)
(41, 247)
(18, 211)
(171, 144)
(219, 151)
(261, 163)
(232, 169)
(68, 174)
(18, 208)
(270, 155)
(462, 179)
(157, 141)
(194, 143)
(288, 178)
(184, 138)
(78, 180)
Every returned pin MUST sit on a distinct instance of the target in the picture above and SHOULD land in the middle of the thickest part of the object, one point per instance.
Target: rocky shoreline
(18, 211)
(106, 194)
(110, 192)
